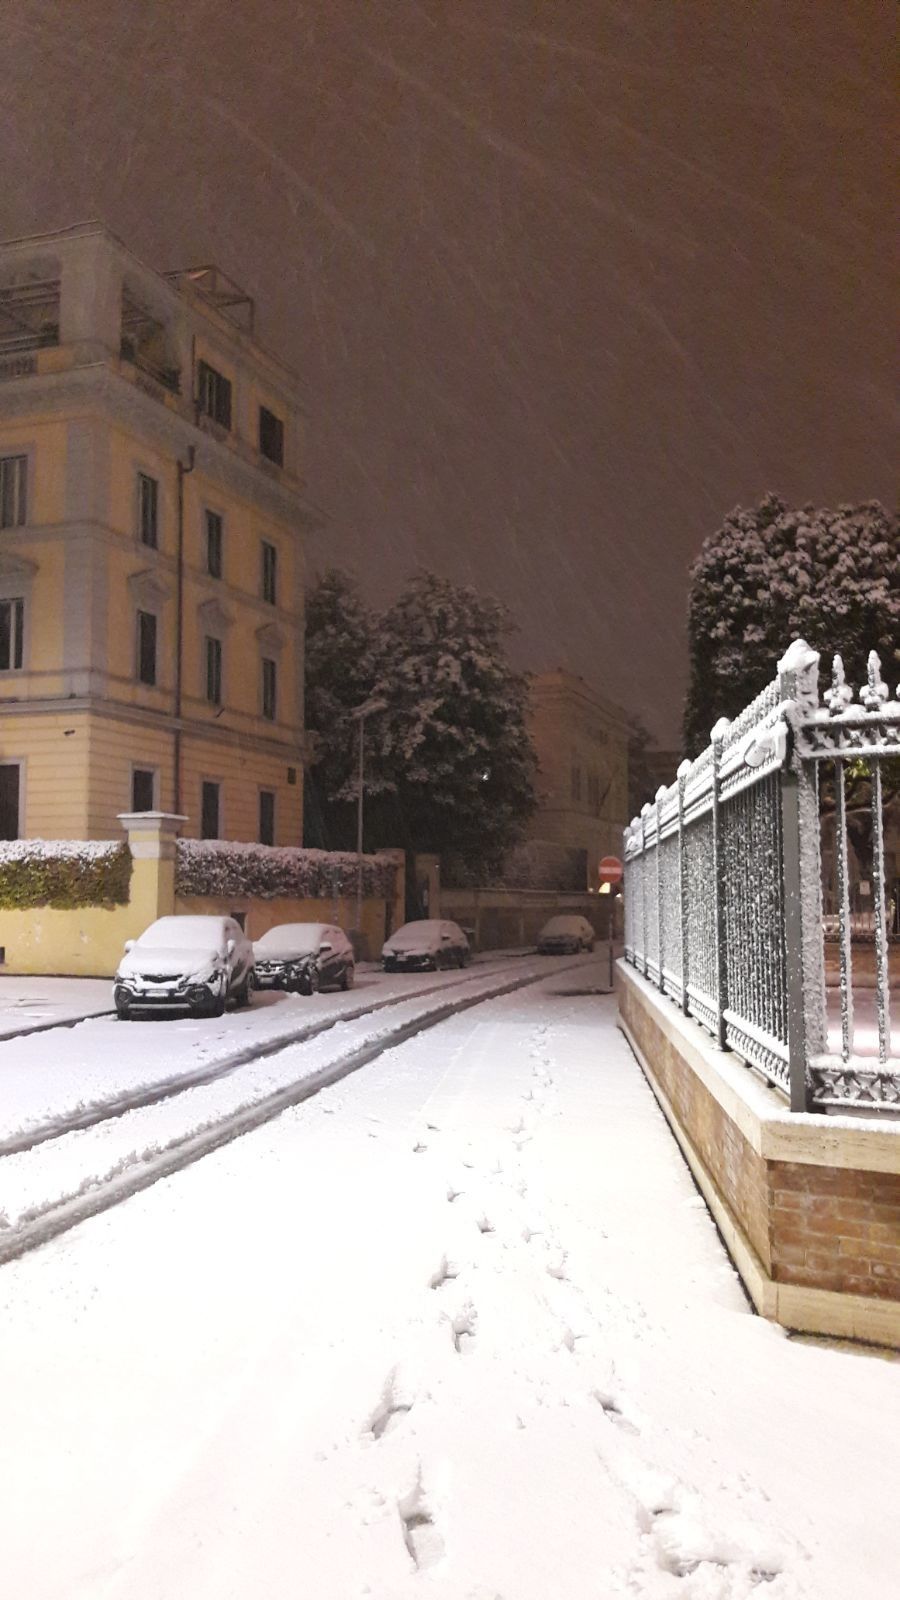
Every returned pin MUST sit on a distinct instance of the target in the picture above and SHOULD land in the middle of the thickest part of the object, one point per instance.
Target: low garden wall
(808, 1205)
(67, 907)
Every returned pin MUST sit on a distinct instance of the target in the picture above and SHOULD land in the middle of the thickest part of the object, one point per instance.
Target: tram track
(145, 1164)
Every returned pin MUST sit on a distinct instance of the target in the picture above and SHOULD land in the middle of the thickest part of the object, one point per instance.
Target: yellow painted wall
(84, 943)
(88, 942)
(242, 771)
(47, 480)
(261, 915)
(75, 787)
(56, 772)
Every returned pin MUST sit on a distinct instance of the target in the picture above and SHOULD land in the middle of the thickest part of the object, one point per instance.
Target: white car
(564, 936)
(305, 956)
(189, 964)
(428, 944)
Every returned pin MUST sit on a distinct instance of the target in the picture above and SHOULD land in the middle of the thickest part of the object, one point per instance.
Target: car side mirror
(229, 947)
(129, 945)
(325, 947)
(447, 936)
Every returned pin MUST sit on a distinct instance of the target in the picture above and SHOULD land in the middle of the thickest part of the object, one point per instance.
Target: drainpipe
(179, 624)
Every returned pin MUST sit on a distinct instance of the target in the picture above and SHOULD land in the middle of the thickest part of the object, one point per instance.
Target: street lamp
(360, 714)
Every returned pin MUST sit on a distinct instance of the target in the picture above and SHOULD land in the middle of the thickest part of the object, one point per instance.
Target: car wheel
(390, 966)
(123, 1011)
(347, 977)
(309, 984)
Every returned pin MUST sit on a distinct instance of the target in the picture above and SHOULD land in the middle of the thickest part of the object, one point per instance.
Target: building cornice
(289, 749)
(136, 402)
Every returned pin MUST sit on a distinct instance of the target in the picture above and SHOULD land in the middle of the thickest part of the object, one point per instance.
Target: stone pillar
(151, 840)
(396, 908)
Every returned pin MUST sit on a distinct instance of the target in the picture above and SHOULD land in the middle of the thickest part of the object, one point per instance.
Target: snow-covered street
(457, 1326)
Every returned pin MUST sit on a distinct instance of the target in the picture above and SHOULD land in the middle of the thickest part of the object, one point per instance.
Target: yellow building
(152, 515)
(581, 742)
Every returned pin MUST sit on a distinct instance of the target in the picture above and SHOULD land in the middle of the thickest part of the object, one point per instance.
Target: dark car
(425, 946)
(305, 957)
(565, 936)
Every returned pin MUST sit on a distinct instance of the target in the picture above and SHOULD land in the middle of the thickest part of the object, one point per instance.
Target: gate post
(718, 737)
(798, 678)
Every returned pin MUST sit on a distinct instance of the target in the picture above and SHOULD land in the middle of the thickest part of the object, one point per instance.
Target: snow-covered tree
(449, 766)
(340, 668)
(450, 761)
(774, 573)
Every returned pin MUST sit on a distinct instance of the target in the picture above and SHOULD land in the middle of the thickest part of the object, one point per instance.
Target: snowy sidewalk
(28, 1005)
(459, 1327)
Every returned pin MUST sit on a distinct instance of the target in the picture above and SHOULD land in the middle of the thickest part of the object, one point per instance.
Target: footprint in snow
(443, 1273)
(394, 1403)
(420, 1532)
(463, 1326)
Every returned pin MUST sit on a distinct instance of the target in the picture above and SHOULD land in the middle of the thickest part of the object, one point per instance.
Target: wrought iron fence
(723, 885)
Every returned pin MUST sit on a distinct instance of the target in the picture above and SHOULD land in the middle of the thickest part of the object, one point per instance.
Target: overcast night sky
(564, 281)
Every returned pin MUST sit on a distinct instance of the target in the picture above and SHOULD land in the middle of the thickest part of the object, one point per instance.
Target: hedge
(63, 874)
(215, 868)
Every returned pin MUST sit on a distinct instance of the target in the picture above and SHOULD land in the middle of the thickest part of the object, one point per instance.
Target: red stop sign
(610, 870)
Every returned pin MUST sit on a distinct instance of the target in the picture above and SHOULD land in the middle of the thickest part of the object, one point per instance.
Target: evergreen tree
(451, 763)
(775, 573)
(340, 667)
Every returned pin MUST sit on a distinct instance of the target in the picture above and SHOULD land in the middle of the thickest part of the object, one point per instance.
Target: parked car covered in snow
(428, 944)
(189, 964)
(565, 936)
(304, 956)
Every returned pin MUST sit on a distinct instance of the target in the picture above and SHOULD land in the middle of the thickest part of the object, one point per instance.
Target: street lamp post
(360, 715)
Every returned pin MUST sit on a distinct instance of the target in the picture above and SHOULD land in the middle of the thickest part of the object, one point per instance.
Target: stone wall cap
(777, 1134)
(136, 819)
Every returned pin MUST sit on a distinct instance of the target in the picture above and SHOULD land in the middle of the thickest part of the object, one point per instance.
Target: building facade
(152, 522)
(581, 741)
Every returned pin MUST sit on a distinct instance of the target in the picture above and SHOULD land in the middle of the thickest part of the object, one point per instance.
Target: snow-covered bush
(215, 867)
(773, 573)
(63, 873)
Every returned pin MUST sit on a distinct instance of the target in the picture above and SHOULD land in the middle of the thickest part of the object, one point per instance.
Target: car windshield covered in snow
(293, 938)
(565, 928)
(183, 933)
(419, 935)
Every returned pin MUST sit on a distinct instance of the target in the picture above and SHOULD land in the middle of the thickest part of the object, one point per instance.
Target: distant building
(581, 740)
(152, 515)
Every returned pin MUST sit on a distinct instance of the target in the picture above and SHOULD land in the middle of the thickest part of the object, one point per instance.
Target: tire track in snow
(166, 1088)
(148, 1166)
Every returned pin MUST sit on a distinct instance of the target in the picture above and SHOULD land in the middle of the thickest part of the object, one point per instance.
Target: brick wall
(835, 1228)
(817, 1200)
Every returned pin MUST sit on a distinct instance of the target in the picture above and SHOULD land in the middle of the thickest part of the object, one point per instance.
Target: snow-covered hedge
(214, 867)
(63, 873)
